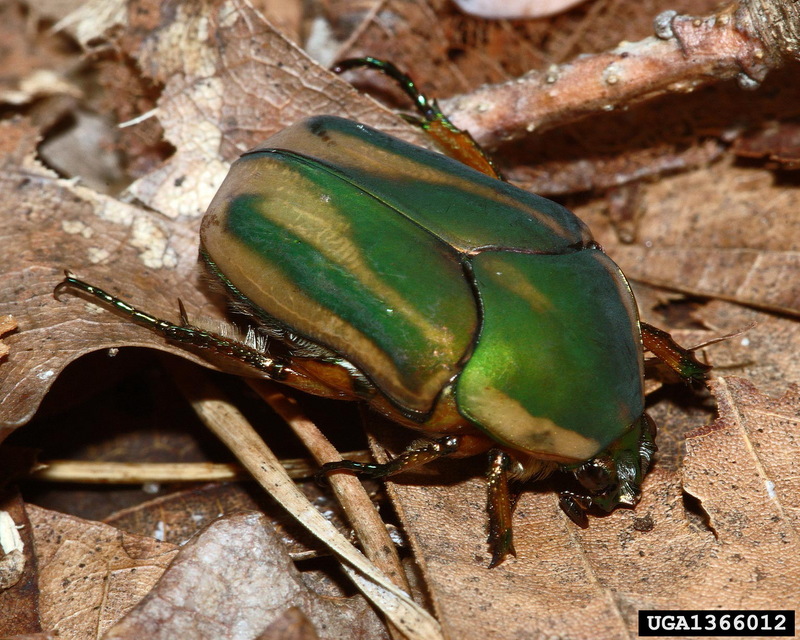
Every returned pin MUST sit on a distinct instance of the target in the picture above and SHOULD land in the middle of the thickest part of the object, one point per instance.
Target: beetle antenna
(727, 336)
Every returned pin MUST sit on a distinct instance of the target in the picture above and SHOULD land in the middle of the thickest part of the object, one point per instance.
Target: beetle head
(614, 477)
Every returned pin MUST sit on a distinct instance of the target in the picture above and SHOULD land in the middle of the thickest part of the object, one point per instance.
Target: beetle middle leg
(500, 505)
(419, 453)
(500, 500)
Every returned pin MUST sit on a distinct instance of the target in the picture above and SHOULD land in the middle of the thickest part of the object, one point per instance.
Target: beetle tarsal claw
(501, 546)
(575, 507)
(370, 470)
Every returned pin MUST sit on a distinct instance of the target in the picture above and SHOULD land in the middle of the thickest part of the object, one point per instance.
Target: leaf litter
(721, 230)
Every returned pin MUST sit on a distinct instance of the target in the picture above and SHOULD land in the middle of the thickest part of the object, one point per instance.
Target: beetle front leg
(676, 357)
(500, 507)
(614, 477)
(575, 506)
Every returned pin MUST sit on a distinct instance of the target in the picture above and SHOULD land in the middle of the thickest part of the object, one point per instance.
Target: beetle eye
(597, 474)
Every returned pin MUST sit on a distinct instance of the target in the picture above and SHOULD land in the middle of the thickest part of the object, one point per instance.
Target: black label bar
(717, 622)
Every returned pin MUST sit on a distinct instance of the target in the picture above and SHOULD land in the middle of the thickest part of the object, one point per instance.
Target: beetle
(447, 299)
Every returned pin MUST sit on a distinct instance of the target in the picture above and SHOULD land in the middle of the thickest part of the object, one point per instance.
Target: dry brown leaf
(91, 574)
(290, 625)
(230, 85)
(224, 93)
(178, 516)
(230, 425)
(51, 225)
(626, 144)
(574, 583)
(764, 279)
(765, 354)
(450, 52)
(726, 232)
(608, 170)
(230, 82)
(233, 580)
(779, 141)
(18, 576)
(725, 206)
(742, 469)
(7, 324)
(33, 63)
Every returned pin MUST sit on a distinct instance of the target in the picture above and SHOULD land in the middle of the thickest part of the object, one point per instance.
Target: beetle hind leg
(230, 354)
(457, 143)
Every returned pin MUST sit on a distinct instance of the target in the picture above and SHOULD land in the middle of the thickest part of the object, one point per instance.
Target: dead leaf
(91, 574)
(720, 233)
(211, 110)
(290, 625)
(764, 279)
(607, 170)
(449, 52)
(742, 469)
(653, 557)
(52, 225)
(765, 355)
(7, 324)
(34, 63)
(230, 85)
(219, 79)
(179, 515)
(231, 582)
(19, 592)
(779, 141)
(72, 151)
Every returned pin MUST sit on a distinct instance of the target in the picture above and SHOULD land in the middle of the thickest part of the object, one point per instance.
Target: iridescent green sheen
(423, 272)
(463, 207)
(340, 267)
(558, 368)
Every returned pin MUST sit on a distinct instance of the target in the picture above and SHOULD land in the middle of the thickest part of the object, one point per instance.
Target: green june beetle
(447, 299)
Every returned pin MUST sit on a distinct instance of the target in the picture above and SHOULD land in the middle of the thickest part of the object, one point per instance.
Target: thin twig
(367, 524)
(230, 426)
(742, 41)
(98, 472)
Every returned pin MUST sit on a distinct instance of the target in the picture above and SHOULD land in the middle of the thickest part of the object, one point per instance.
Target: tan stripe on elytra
(260, 280)
(514, 280)
(319, 223)
(350, 152)
(508, 421)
